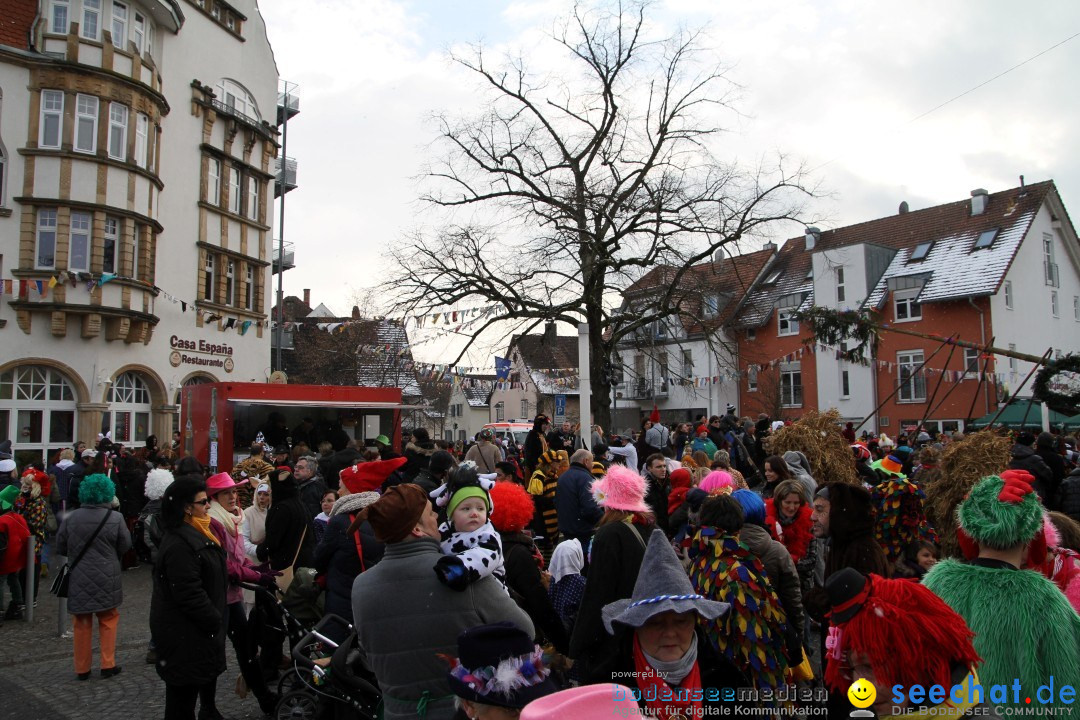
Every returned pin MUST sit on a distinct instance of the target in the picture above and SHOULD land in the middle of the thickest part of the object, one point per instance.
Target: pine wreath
(1058, 384)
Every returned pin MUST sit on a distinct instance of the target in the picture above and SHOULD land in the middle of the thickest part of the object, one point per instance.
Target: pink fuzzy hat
(621, 489)
(718, 482)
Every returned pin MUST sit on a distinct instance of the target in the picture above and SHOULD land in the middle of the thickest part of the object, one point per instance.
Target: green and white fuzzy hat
(1001, 512)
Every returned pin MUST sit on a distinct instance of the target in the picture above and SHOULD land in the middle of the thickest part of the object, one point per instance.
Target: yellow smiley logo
(862, 693)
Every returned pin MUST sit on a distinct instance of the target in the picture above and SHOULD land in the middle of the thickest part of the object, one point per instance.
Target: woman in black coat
(340, 560)
(187, 609)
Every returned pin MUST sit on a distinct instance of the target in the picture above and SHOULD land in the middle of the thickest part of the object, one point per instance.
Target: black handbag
(60, 583)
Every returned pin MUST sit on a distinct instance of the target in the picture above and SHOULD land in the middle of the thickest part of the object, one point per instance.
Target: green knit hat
(8, 496)
(463, 494)
(1001, 512)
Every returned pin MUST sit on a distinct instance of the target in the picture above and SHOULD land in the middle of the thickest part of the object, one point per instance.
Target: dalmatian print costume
(473, 555)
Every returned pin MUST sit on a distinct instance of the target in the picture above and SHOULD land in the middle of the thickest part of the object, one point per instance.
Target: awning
(1021, 413)
(327, 403)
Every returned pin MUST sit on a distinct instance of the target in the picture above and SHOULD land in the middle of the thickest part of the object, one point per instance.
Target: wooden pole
(982, 378)
(891, 395)
(937, 386)
(1020, 387)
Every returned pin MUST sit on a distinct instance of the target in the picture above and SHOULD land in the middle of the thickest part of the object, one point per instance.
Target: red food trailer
(219, 421)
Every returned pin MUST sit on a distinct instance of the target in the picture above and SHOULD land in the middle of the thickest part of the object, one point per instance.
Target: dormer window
(920, 252)
(711, 305)
(772, 277)
(985, 239)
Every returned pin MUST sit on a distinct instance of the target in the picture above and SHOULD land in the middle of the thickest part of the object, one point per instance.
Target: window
(230, 281)
(3, 165)
(249, 289)
(985, 239)
(687, 362)
(42, 401)
(138, 32)
(1054, 303)
(786, 322)
(524, 408)
(46, 239)
(920, 252)
(1014, 364)
(112, 242)
(500, 409)
(906, 306)
(751, 333)
(773, 277)
(791, 385)
(216, 11)
(59, 17)
(142, 126)
(1008, 295)
(136, 239)
(845, 383)
(711, 305)
(86, 117)
(841, 293)
(149, 39)
(119, 25)
(662, 368)
(1050, 268)
(751, 378)
(213, 185)
(253, 198)
(208, 286)
(971, 362)
(52, 112)
(129, 401)
(912, 383)
(118, 118)
(91, 19)
(236, 98)
(79, 246)
(234, 190)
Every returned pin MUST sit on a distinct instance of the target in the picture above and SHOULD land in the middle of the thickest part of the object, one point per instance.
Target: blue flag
(502, 368)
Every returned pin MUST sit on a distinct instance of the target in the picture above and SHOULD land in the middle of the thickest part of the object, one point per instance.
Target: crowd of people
(680, 568)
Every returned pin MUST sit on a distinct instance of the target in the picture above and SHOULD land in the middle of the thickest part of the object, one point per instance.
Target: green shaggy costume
(1024, 627)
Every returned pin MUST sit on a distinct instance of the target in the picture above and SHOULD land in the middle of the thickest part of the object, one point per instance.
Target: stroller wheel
(297, 705)
(290, 681)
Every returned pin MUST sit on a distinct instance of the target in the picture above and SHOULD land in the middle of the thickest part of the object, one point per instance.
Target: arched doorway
(37, 411)
(129, 414)
(196, 379)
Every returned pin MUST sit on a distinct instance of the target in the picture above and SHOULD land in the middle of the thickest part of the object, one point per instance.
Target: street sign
(560, 408)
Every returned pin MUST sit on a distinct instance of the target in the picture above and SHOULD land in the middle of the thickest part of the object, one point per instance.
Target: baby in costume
(471, 543)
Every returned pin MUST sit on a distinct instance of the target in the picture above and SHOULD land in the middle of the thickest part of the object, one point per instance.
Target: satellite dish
(278, 377)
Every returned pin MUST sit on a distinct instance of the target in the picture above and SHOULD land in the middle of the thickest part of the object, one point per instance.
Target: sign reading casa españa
(200, 353)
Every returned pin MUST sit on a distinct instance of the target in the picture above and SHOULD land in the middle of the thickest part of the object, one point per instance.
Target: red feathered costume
(796, 535)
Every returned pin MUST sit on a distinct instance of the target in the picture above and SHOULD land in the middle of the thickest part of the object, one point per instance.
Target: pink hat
(718, 481)
(587, 701)
(621, 489)
(219, 482)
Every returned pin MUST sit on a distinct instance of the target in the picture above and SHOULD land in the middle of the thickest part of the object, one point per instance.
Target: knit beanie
(1001, 512)
(463, 494)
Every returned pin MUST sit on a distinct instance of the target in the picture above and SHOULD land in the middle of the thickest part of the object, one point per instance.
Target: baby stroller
(329, 680)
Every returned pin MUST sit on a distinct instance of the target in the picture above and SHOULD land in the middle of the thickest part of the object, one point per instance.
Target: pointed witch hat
(662, 585)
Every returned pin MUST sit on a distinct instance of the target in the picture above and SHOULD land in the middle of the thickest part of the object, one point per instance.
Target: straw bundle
(963, 464)
(817, 436)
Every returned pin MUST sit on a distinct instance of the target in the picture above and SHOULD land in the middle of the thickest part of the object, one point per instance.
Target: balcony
(288, 107)
(231, 111)
(283, 262)
(285, 180)
(645, 389)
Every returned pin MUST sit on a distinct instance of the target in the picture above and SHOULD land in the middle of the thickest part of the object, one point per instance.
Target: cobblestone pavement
(37, 677)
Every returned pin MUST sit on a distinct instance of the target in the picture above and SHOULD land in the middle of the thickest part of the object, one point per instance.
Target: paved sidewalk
(37, 678)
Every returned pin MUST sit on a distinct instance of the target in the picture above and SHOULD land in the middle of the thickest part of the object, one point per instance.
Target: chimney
(904, 208)
(307, 296)
(718, 256)
(812, 236)
(770, 246)
(979, 198)
(550, 333)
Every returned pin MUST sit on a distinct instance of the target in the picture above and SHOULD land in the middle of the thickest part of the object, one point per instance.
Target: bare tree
(584, 181)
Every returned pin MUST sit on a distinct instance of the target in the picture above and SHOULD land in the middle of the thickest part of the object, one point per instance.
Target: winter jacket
(151, 515)
(130, 477)
(656, 497)
(187, 608)
(781, 571)
(35, 510)
(704, 445)
(417, 455)
(614, 561)
(535, 445)
(575, 506)
(1024, 458)
(62, 472)
(14, 536)
(406, 618)
(75, 475)
(1069, 495)
(237, 566)
(287, 522)
(523, 579)
(95, 582)
(312, 492)
(1044, 448)
(338, 559)
(796, 535)
(485, 455)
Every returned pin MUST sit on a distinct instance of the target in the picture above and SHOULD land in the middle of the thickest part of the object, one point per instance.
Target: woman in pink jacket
(226, 518)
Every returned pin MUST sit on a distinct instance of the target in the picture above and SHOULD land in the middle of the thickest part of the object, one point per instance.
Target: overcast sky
(835, 83)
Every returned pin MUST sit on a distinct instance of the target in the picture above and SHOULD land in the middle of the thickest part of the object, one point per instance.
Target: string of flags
(26, 289)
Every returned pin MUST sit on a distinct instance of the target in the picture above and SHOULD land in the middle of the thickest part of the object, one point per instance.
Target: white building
(138, 140)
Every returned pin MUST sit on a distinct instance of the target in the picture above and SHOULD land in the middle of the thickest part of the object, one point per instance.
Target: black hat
(499, 665)
(844, 588)
(1026, 438)
(440, 462)
(282, 450)
(421, 435)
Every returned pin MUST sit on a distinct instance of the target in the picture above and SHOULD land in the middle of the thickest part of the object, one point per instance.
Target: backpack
(146, 536)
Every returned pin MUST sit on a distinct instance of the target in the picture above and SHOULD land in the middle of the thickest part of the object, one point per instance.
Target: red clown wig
(512, 507)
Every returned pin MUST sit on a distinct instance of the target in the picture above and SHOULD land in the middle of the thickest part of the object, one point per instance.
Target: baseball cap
(89, 453)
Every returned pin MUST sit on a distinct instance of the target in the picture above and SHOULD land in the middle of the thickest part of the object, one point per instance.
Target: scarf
(255, 517)
(666, 703)
(229, 520)
(203, 526)
(568, 559)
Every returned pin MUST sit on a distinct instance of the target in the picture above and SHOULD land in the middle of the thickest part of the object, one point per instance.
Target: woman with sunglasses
(187, 609)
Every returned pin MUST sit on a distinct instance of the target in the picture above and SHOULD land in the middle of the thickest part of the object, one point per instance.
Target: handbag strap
(299, 547)
(359, 548)
(90, 541)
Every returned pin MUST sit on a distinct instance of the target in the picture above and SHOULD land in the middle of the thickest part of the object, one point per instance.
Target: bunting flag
(244, 327)
(53, 282)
